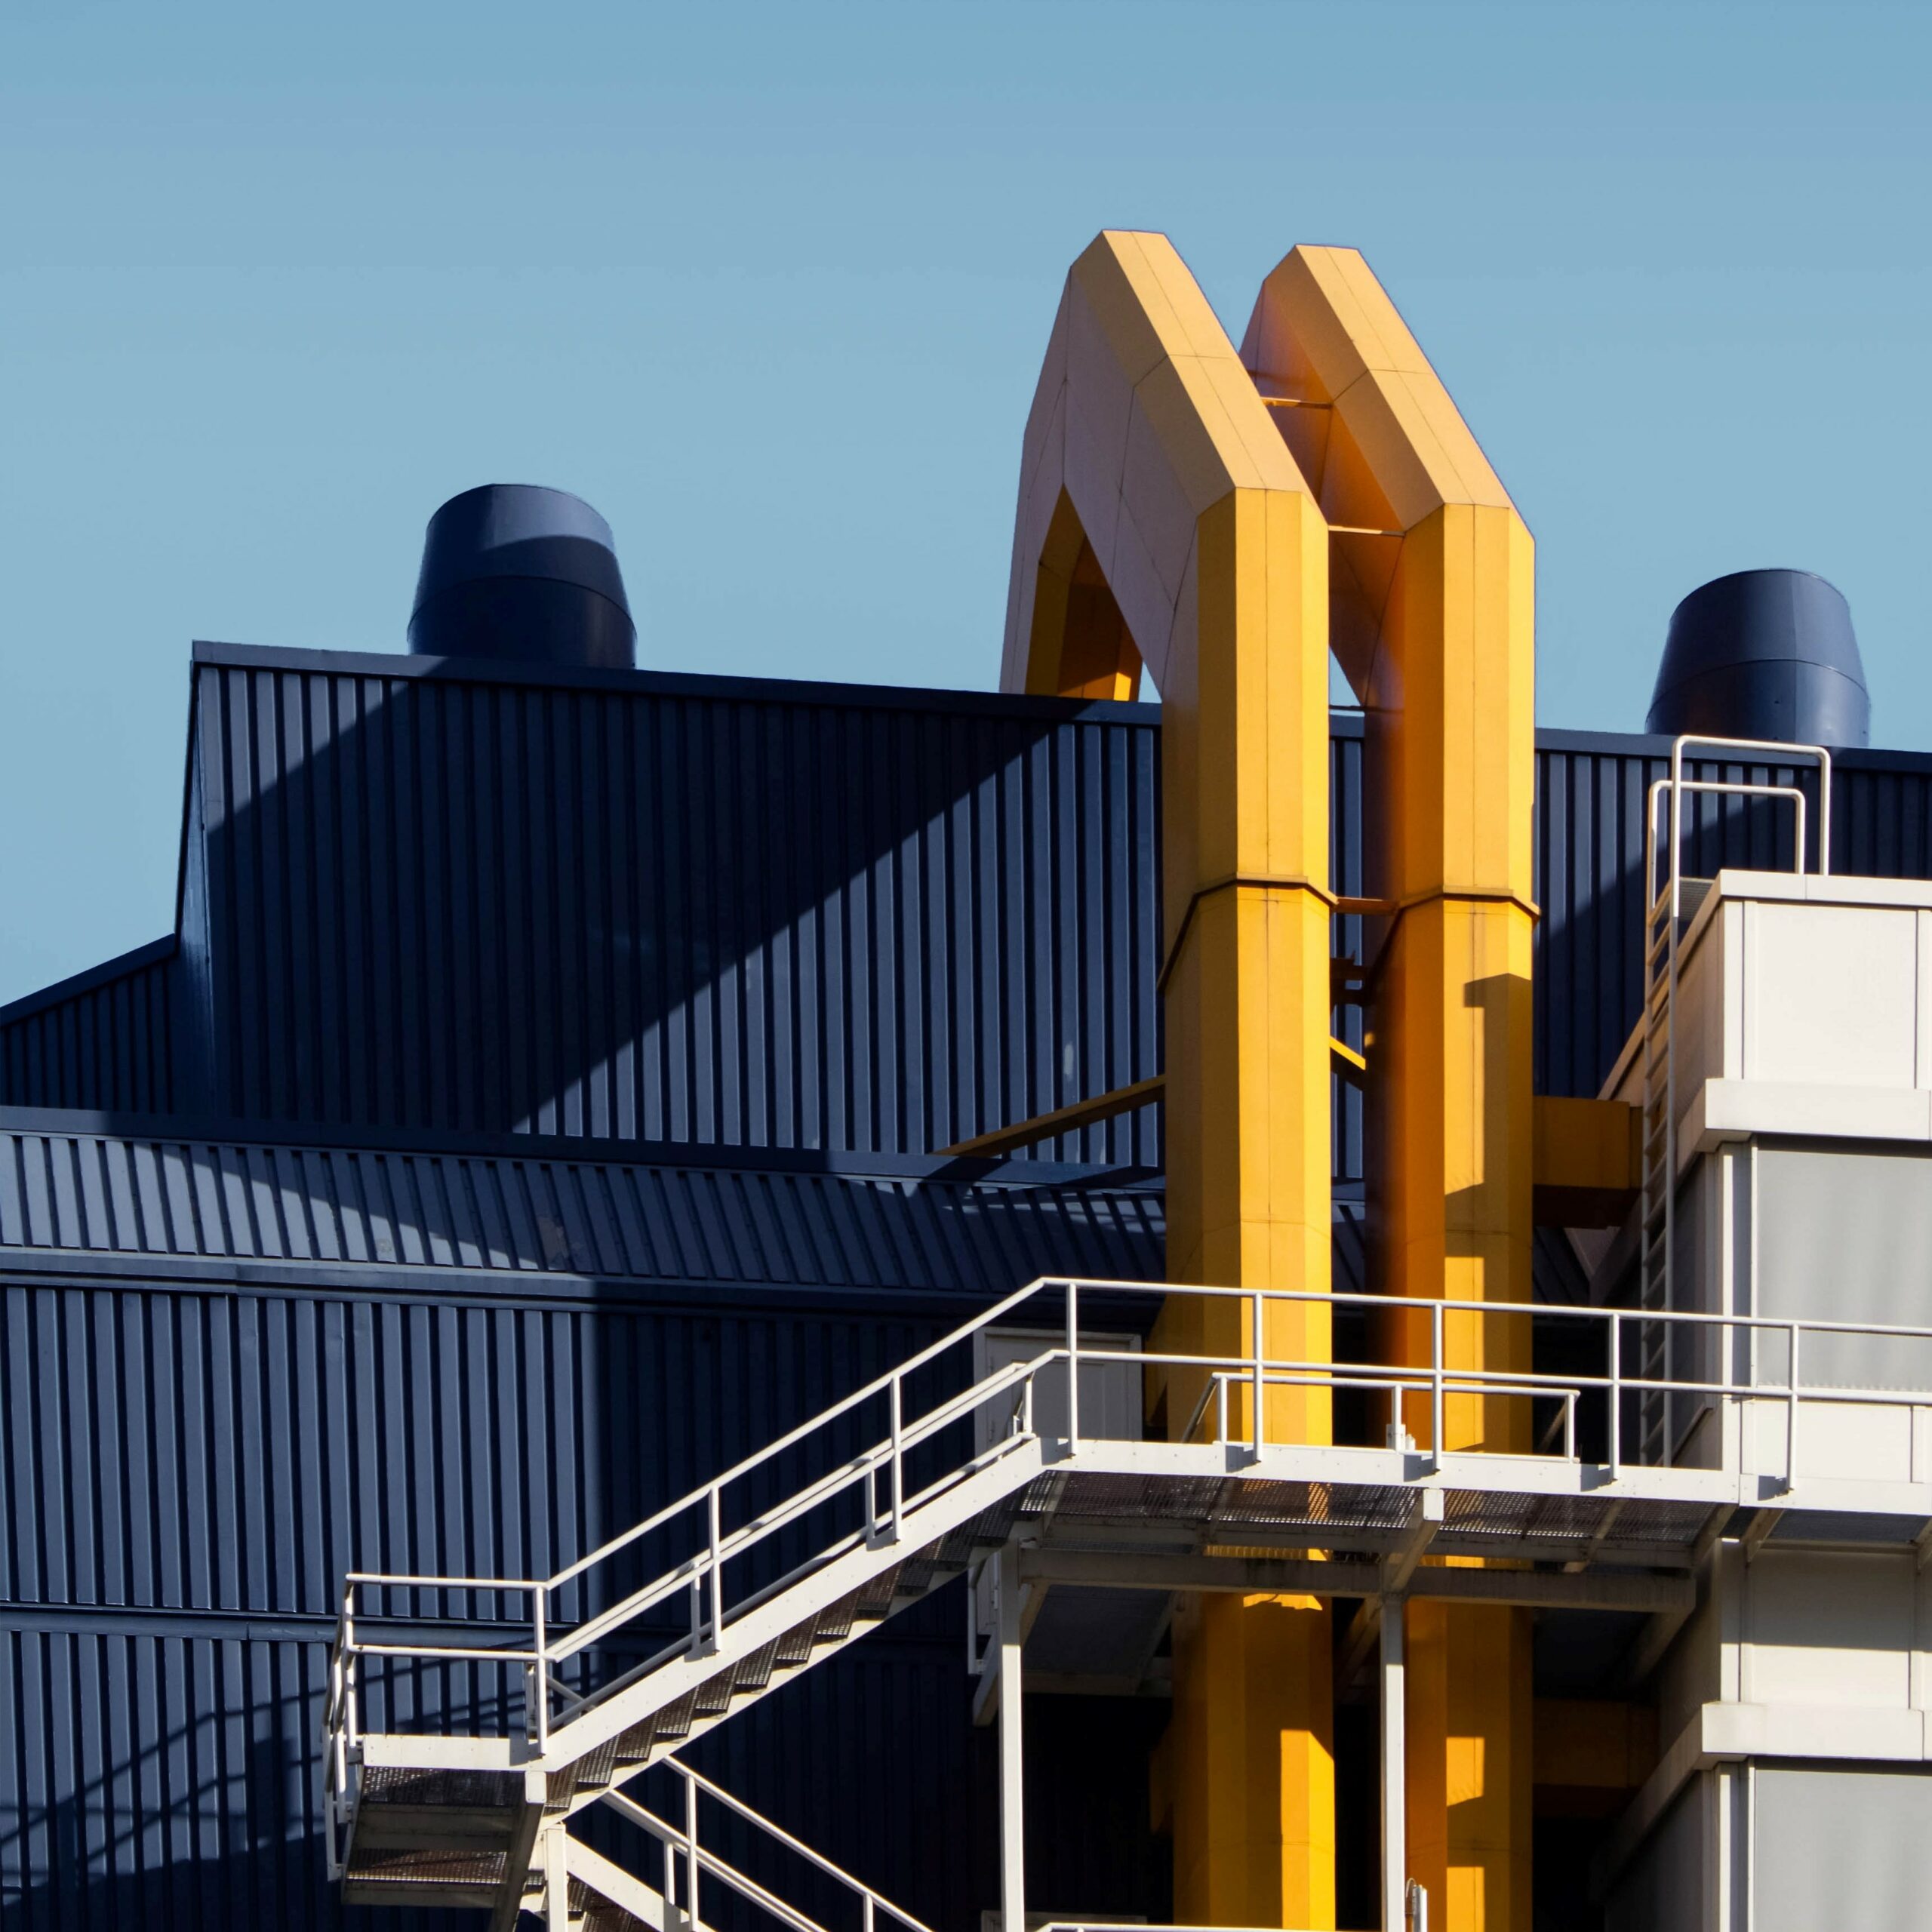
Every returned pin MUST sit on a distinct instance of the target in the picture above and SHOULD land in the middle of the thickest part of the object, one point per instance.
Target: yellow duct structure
(1433, 619)
(1223, 519)
(1148, 448)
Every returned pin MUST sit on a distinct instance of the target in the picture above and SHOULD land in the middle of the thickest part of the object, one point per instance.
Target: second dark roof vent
(1764, 654)
(511, 570)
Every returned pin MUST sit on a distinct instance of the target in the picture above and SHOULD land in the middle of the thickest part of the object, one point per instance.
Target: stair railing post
(351, 1676)
(717, 1571)
(1436, 1351)
(1073, 1364)
(1257, 1355)
(1616, 1392)
(898, 1455)
(1790, 1418)
(540, 1669)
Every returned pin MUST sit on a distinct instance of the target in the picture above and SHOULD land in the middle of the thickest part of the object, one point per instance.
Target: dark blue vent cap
(1763, 654)
(512, 570)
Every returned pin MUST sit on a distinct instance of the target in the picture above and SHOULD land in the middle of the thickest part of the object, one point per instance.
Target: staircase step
(454, 1880)
(594, 1912)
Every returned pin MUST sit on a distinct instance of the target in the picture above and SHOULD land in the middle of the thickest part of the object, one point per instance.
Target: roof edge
(90, 977)
(582, 1150)
(672, 684)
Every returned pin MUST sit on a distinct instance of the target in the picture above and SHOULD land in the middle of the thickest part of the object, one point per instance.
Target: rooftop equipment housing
(1764, 654)
(511, 570)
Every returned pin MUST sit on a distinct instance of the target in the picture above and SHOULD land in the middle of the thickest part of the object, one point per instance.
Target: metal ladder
(1671, 902)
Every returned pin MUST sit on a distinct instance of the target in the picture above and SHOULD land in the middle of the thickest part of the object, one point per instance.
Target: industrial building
(682, 1300)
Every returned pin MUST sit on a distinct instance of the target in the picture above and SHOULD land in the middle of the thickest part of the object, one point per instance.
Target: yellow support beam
(1148, 451)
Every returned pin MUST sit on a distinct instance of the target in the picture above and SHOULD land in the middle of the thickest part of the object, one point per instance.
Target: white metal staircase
(577, 1887)
(767, 1572)
(456, 1819)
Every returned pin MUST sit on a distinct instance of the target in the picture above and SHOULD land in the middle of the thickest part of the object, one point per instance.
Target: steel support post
(1012, 1812)
(556, 1881)
(1394, 1769)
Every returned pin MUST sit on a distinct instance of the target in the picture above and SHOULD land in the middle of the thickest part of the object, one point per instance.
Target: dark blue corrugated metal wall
(173, 1451)
(102, 1039)
(698, 909)
(190, 1459)
(668, 909)
(1591, 789)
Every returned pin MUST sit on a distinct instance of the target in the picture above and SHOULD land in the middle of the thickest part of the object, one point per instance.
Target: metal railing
(881, 1490)
(1664, 918)
(688, 1862)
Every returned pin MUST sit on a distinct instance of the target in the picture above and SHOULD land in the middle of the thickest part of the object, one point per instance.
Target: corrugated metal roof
(79, 1186)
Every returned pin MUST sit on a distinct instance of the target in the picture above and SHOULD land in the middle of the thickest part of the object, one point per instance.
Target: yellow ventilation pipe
(1163, 520)
(1432, 620)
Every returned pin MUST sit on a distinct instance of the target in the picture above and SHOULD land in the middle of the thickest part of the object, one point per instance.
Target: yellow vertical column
(1248, 1164)
(1433, 621)
(1450, 1187)
(1149, 451)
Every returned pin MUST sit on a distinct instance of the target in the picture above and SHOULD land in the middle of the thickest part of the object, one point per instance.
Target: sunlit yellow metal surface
(1432, 622)
(1149, 449)
(1587, 1160)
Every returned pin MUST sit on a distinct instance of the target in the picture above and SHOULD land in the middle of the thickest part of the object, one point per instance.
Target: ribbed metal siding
(167, 1778)
(727, 1226)
(185, 1471)
(107, 1043)
(174, 1447)
(1591, 793)
(640, 910)
(160, 1780)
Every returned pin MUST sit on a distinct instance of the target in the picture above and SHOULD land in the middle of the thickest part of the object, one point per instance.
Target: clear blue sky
(770, 286)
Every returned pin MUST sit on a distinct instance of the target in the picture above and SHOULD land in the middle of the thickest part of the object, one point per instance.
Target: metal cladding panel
(732, 1225)
(187, 1467)
(676, 908)
(161, 1780)
(165, 1775)
(103, 1039)
(1591, 800)
(239, 1450)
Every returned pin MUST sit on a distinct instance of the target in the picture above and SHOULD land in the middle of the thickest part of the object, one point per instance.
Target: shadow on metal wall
(436, 900)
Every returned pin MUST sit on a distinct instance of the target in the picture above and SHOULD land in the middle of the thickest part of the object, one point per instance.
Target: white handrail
(1663, 909)
(683, 1843)
(1012, 1387)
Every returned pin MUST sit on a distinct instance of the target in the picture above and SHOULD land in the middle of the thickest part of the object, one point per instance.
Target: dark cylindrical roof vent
(1763, 654)
(511, 570)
